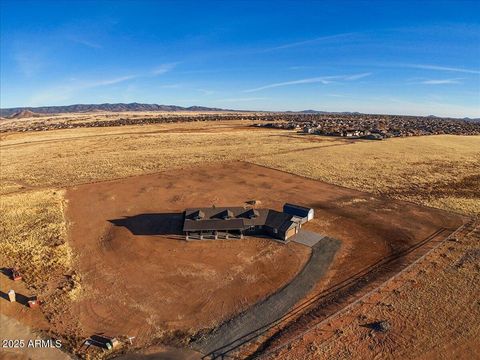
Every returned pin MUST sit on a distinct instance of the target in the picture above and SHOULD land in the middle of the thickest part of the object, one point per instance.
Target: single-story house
(226, 222)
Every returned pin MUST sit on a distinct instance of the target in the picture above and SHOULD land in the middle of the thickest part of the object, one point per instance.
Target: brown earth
(432, 311)
(141, 280)
(144, 280)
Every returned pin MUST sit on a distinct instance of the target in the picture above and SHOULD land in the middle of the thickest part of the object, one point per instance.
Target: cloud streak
(85, 42)
(441, 81)
(65, 92)
(322, 79)
(358, 76)
(312, 41)
(106, 82)
(163, 68)
(441, 68)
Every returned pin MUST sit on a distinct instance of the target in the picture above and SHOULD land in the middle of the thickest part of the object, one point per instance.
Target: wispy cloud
(299, 67)
(28, 62)
(105, 82)
(61, 93)
(321, 79)
(206, 91)
(85, 42)
(163, 68)
(316, 40)
(70, 87)
(171, 86)
(357, 76)
(336, 95)
(441, 81)
(441, 68)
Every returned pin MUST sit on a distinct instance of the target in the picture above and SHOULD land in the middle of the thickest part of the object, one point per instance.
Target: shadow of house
(152, 224)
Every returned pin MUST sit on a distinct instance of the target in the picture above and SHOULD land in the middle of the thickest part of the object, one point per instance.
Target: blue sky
(394, 57)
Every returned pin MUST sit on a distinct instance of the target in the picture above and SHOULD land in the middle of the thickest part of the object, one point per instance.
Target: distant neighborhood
(344, 124)
(376, 127)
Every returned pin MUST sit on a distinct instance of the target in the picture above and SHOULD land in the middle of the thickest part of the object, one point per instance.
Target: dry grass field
(438, 171)
(19, 124)
(33, 234)
(68, 157)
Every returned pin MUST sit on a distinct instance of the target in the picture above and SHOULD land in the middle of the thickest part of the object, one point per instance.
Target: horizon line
(20, 108)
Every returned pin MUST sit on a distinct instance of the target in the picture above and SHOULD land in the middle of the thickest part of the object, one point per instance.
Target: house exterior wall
(290, 232)
(311, 214)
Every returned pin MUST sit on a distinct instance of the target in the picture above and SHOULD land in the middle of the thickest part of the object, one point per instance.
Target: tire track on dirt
(269, 348)
(349, 286)
(253, 321)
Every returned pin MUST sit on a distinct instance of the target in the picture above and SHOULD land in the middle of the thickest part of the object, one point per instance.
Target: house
(235, 222)
(352, 133)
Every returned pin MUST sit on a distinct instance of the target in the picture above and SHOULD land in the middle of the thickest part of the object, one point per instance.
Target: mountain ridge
(21, 112)
(113, 107)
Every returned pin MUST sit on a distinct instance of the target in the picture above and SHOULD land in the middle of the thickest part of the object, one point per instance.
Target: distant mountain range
(23, 112)
(8, 112)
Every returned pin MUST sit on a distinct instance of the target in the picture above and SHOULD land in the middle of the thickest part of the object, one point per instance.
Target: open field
(34, 235)
(191, 163)
(86, 155)
(439, 171)
(99, 117)
(443, 174)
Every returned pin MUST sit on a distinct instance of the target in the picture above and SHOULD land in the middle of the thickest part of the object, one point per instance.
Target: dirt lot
(140, 279)
(432, 312)
(134, 266)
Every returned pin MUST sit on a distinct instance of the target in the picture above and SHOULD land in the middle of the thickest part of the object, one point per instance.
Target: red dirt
(432, 310)
(146, 285)
(140, 284)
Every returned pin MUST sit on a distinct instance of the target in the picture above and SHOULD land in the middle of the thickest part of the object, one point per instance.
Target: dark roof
(296, 209)
(241, 219)
(278, 220)
(207, 225)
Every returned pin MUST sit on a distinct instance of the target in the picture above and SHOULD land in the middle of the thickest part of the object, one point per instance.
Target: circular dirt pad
(141, 278)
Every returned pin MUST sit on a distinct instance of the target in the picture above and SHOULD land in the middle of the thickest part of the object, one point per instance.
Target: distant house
(352, 133)
(235, 222)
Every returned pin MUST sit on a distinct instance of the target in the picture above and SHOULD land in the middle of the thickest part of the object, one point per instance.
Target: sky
(384, 57)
